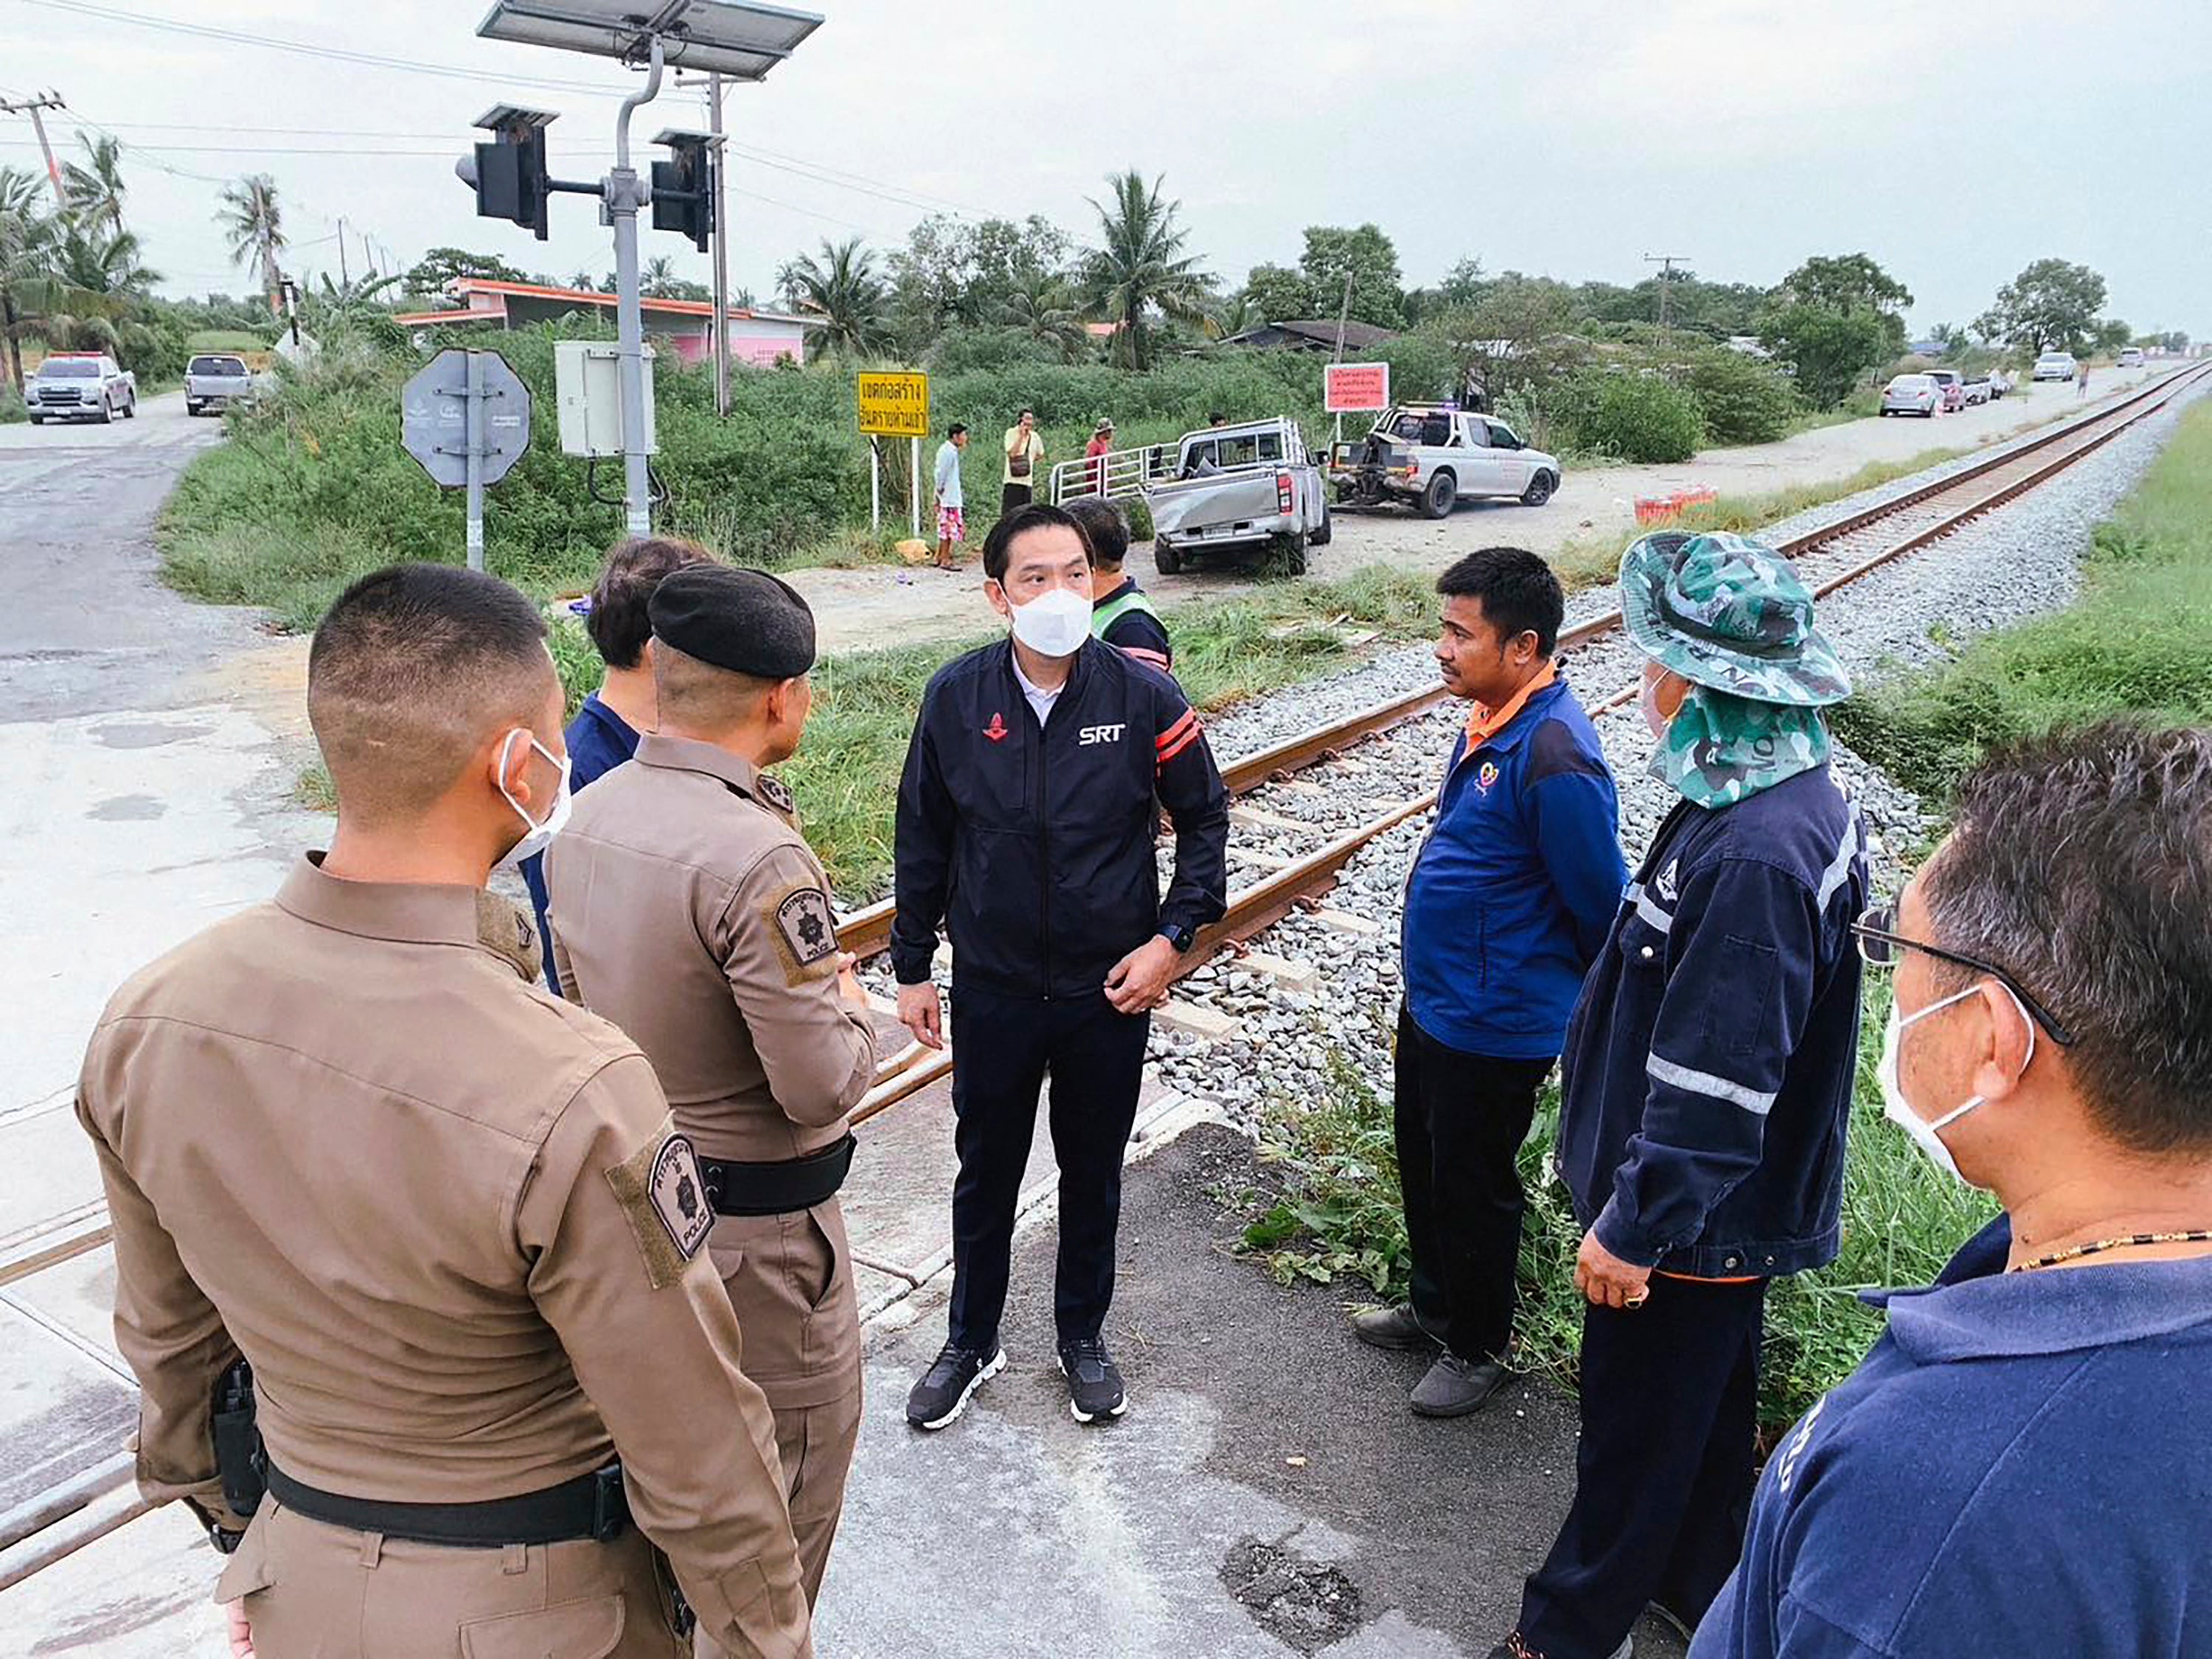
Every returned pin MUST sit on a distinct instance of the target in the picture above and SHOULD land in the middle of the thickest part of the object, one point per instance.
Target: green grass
(1338, 1220)
(2138, 640)
(229, 339)
(1584, 561)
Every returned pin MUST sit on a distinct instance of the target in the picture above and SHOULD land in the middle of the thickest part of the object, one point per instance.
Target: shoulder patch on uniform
(773, 791)
(806, 931)
(661, 1193)
(505, 929)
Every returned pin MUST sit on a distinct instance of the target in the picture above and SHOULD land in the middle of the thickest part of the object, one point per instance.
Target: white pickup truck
(1429, 455)
(72, 386)
(1243, 488)
(215, 380)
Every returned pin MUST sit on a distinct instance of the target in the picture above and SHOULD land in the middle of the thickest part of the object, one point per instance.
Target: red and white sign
(1355, 388)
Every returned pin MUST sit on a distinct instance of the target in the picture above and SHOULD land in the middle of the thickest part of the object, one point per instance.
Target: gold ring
(1637, 1300)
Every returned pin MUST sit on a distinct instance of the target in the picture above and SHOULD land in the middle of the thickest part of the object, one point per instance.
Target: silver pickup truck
(72, 386)
(214, 381)
(1245, 488)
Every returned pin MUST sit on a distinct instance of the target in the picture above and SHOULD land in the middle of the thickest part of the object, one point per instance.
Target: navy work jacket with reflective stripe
(1706, 1082)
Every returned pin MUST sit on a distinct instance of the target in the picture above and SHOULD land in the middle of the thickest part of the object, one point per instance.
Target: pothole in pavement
(1307, 1605)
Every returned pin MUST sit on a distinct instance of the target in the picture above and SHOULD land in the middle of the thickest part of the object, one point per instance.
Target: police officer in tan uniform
(443, 1214)
(687, 909)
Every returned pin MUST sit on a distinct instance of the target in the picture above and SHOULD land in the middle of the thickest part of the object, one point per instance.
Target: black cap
(745, 621)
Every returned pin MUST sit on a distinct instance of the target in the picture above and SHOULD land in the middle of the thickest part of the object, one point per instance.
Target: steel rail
(866, 932)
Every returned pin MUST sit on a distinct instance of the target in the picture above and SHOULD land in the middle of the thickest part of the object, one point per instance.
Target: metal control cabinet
(587, 393)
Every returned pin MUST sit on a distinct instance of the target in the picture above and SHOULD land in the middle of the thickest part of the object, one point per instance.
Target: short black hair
(1518, 592)
(1105, 526)
(998, 546)
(2081, 864)
(1215, 417)
(956, 428)
(411, 669)
(619, 622)
(1023, 411)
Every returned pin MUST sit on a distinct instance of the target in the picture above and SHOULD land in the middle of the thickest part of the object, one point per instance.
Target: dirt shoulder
(879, 605)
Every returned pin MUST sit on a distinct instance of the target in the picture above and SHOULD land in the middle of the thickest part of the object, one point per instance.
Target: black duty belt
(795, 1183)
(592, 1506)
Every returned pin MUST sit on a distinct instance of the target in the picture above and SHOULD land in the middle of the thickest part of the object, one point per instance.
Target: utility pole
(31, 107)
(720, 163)
(345, 281)
(1666, 262)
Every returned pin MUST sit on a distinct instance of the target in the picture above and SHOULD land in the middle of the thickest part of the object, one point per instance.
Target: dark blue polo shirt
(599, 740)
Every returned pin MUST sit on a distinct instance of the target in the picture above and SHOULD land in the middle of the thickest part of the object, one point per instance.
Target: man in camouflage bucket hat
(1704, 1088)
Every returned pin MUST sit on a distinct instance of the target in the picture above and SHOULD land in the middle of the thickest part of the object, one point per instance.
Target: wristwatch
(1181, 937)
(225, 1540)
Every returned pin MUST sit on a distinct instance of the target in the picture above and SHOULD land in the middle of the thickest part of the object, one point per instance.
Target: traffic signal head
(509, 174)
(683, 186)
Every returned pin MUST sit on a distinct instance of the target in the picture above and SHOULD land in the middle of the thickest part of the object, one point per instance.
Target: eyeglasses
(1881, 945)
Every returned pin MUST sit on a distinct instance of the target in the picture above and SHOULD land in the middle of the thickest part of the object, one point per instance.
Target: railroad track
(58, 1522)
(1829, 557)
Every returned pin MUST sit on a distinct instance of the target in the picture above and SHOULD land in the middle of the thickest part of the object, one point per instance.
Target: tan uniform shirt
(444, 1216)
(687, 908)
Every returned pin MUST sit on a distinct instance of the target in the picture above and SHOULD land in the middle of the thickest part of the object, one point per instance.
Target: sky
(1953, 142)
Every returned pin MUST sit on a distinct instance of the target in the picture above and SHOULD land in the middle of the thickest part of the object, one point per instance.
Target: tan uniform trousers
(313, 1591)
(790, 1278)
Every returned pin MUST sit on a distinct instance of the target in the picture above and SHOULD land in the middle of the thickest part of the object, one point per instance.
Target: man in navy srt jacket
(1026, 821)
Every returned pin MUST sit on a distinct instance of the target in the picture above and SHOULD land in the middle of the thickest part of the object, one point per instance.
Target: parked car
(2132, 357)
(1978, 391)
(1429, 455)
(1912, 394)
(73, 385)
(1953, 385)
(1245, 488)
(217, 380)
(2055, 366)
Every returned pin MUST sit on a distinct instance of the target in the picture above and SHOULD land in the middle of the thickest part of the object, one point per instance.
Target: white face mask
(1648, 702)
(539, 833)
(1898, 1110)
(1053, 624)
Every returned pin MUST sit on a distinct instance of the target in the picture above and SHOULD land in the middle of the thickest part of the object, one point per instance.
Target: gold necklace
(2130, 1241)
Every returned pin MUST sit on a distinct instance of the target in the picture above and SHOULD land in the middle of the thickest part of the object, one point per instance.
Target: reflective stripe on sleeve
(1704, 1083)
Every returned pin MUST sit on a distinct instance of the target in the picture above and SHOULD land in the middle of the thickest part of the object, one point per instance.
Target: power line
(305, 49)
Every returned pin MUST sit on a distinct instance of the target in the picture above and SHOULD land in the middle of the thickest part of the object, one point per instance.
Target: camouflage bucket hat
(1721, 610)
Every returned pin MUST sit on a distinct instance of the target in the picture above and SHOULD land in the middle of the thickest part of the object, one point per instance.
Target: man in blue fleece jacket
(1510, 898)
(2020, 1465)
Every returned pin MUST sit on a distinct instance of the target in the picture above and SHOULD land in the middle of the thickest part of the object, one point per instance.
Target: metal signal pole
(720, 164)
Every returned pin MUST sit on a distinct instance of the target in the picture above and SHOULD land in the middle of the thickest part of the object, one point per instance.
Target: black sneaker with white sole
(1094, 1383)
(950, 1382)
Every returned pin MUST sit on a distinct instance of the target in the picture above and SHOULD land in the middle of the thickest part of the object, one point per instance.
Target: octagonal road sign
(434, 417)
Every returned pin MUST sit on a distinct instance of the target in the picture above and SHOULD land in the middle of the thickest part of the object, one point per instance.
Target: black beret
(745, 621)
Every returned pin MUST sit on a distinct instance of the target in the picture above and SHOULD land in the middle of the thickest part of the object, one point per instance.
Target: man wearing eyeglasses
(2020, 1466)
(1705, 1085)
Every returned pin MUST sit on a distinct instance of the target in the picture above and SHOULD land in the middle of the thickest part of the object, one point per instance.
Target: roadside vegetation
(2137, 641)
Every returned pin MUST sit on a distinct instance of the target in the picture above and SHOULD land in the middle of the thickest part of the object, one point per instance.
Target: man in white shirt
(951, 515)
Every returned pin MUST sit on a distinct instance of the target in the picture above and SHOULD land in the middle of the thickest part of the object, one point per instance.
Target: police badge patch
(680, 1197)
(806, 931)
(665, 1200)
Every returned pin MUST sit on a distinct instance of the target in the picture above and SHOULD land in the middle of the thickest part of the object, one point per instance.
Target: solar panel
(729, 37)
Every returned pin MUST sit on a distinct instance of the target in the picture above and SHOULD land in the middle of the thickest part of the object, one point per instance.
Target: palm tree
(28, 237)
(841, 295)
(1141, 265)
(93, 189)
(1043, 307)
(658, 277)
(89, 262)
(254, 222)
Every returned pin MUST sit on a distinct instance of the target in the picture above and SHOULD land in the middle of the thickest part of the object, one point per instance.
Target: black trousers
(1663, 1474)
(1003, 1050)
(1460, 1120)
(1011, 495)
